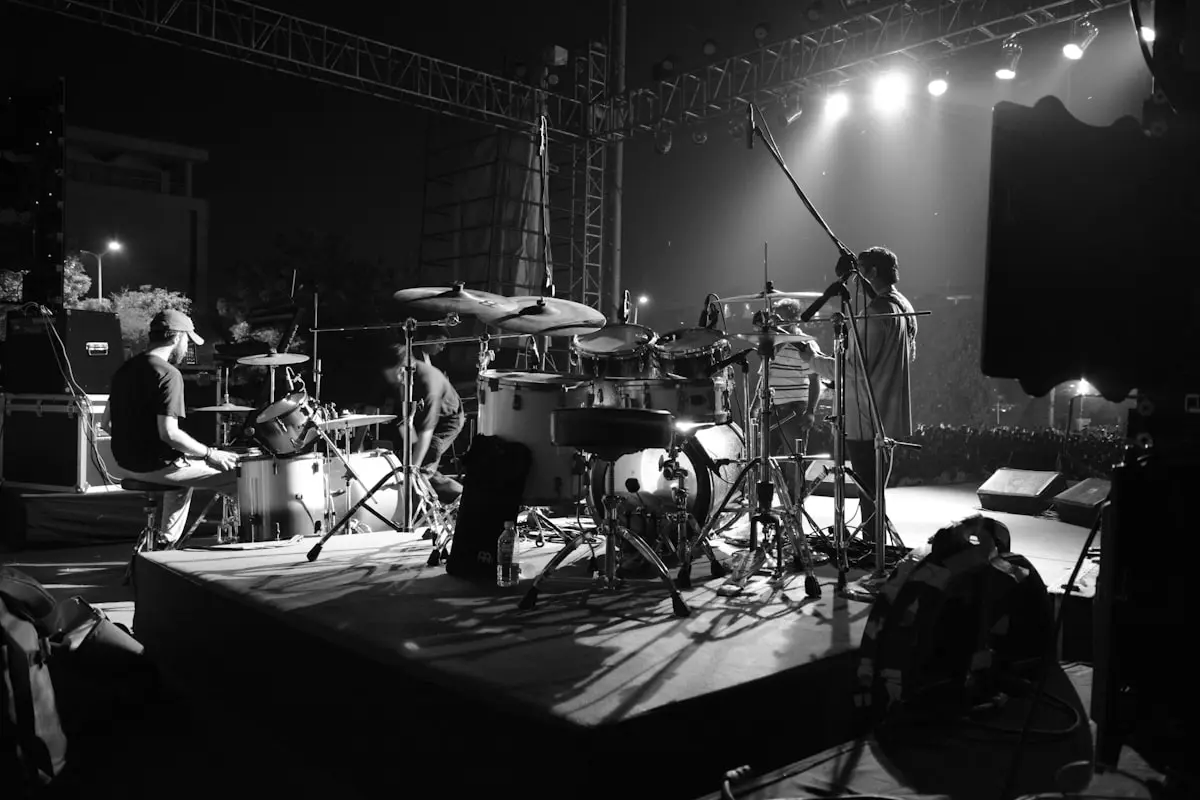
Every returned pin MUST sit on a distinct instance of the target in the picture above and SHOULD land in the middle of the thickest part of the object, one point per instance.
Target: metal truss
(587, 263)
(922, 30)
(261, 36)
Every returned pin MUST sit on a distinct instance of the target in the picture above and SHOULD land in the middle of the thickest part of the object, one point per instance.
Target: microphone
(625, 308)
(706, 313)
(750, 126)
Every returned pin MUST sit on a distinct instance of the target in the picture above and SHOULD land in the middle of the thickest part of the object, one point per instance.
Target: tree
(76, 283)
(136, 307)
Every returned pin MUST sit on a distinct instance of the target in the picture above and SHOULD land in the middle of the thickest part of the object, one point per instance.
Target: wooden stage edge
(369, 655)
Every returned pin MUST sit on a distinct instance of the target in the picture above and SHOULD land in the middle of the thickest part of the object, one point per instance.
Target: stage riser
(326, 700)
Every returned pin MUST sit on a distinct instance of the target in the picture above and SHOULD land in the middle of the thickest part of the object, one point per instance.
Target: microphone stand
(544, 203)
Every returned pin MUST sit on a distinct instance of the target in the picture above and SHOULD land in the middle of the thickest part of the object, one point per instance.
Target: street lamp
(642, 300)
(113, 246)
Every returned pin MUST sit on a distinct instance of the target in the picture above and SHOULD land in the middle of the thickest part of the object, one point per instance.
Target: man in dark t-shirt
(438, 415)
(145, 404)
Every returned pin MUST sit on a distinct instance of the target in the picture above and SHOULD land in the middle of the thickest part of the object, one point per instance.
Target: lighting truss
(261, 36)
(921, 30)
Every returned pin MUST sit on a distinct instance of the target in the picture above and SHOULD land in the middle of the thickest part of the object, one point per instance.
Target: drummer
(797, 389)
(438, 415)
(145, 404)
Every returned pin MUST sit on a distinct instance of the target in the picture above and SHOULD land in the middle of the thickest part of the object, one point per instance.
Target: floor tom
(516, 406)
(370, 468)
(279, 498)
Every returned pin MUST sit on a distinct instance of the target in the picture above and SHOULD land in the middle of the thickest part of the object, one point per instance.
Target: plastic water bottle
(508, 564)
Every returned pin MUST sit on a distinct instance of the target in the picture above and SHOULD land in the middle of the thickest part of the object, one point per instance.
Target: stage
(377, 661)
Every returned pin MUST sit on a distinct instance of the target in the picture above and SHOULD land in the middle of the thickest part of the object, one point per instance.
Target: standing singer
(889, 348)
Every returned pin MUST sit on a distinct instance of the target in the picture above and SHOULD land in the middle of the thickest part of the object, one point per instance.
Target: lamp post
(641, 301)
(113, 246)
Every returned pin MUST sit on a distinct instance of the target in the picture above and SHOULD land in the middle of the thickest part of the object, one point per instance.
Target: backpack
(32, 743)
(950, 627)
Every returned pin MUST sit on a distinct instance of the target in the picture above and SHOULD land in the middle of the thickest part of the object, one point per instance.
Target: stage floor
(368, 636)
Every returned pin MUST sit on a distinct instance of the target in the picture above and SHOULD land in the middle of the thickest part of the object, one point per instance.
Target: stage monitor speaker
(92, 343)
(1080, 504)
(1020, 491)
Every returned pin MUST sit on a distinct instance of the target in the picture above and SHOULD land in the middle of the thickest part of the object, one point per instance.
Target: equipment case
(46, 444)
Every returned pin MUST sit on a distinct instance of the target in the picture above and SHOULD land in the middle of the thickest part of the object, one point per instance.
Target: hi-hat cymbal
(224, 408)
(774, 338)
(351, 421)
(273, 360)
(545, 316)
(451, 300)
(750, 298)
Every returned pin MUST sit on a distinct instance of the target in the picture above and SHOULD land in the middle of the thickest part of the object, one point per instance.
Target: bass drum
(707, 481)
(371, 467)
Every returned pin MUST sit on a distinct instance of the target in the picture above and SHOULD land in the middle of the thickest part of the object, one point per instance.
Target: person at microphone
(889, 348)
(797, 388)
(437, 412)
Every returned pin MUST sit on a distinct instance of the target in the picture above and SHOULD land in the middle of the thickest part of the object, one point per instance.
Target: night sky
(288, 154)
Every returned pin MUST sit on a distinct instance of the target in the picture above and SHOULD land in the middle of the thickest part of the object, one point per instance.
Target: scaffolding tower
(481, 221)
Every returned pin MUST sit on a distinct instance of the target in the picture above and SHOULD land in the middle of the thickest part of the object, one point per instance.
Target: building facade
(141, 193)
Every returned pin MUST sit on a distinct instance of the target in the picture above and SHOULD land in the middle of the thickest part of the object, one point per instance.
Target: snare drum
(516, 407)
(279, 498)
(694, 401)
(287, 427)
(691, 352)
(616, 351)
(371, 467)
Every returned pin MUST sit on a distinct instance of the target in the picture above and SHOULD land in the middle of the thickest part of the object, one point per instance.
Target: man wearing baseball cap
(145, 404)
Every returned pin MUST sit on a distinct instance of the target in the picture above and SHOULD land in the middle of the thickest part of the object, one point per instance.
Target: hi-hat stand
(768, 481)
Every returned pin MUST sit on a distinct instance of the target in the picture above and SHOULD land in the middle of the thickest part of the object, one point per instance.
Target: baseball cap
(171, 320)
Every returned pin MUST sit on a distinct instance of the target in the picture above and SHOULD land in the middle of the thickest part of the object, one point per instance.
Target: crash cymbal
(273, 360)
(750, 298)
(452, 300)
(774, 338)
(350, 421)
(545, 316)
(225, 408)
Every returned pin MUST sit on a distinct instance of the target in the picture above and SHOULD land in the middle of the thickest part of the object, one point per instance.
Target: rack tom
(691, 353)
(288, 427)
(616, 351)
(704, 400)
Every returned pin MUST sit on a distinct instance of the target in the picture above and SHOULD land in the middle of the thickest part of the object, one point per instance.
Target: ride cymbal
(452, 300)
(273, 360)
(224, 408)
(545, 316)
(750, 298)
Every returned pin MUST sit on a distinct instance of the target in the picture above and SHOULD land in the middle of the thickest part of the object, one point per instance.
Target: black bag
(948, 627)
(495, 484)
(33, 746)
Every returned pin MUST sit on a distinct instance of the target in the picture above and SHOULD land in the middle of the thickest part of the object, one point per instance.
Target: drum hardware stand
(614, 533)
(687, 530)
(765, 470)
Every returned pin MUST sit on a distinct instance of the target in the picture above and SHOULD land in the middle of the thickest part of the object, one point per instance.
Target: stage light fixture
(1147, 34)
(761, 31)
(1083, 32)
(837, 104)
(793, 109)
(891, 91)
(699, 137)
(1010, 54)
(710, 47)
(939, 82)
(815, 11)
(663, 70)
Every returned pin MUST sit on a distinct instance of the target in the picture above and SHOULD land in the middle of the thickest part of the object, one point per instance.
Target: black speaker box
(1080, 504)
(1020, 491)
(90, 339)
